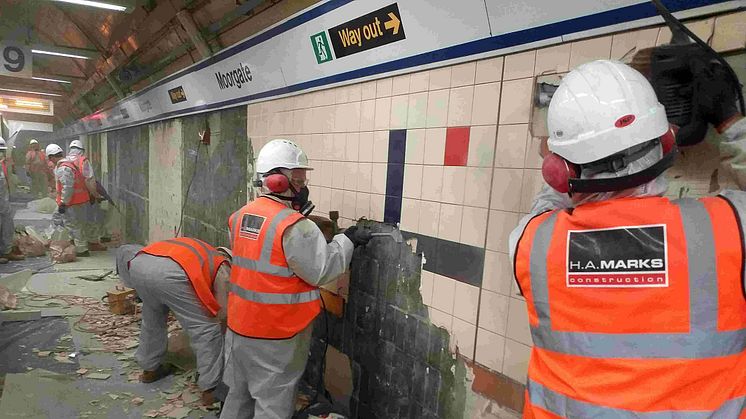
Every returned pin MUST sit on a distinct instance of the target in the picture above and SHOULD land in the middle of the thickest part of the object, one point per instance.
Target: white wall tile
(466, 302)
(489, 70)
(399, 110)
(533, 158)
(730, 31)
(353, 117)
(450, 222)
(340, 118)
(441, 319)
(490, 349)
(533, 181)
(521, 65)
(367, 115)
(355, 92)
(443, 293)
(515, 105)
(410, 215)
(463, 74)
(338, 174)
(435, 146)
(340, 143)
(625, 45)
(460, 106)
(419, 82)
(336, 201)
(417, 112)
(440, 78)
(380, 146)
(454, 181)
(384, 87)
(506, 189)
(493, 312)
(511, 145)
(437, 108)
(499, 226)
(498, 273)
(589, 50)
(378, 178)
(366, 176)
(328, 147)
(352, 146)
(518, 328)
(476, 190)
(365, 146)
(486, 104)
(383, 113)
(349, 204)
(351, 176)
(473, 226)
(377, 204)
(463, 337)
(426, 287)
(412, 187)
(322, 174)
(322, 197)
(515, 363)
(482, 141)
(555, 59)
(362, 205)
(400, 85)
(432, 183)
(429, 218)
(368, 90)
(415, 150)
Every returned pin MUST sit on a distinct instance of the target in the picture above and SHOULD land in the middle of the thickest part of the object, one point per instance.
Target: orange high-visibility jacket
(636, 309)
(80, 191)
(200, 262)
(266, 299)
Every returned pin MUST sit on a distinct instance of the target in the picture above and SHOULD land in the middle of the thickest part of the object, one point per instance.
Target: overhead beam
(190, 26)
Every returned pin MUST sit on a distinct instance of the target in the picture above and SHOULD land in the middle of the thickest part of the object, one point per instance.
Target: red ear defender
(557, 172)
(277, 183)
(668, 140)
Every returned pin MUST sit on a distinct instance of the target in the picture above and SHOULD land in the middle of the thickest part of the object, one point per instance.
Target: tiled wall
(447, 154)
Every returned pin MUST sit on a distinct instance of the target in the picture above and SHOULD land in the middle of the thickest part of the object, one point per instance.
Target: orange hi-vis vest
(266, 299)
(637, 309)
(80, 191)
(200, 262)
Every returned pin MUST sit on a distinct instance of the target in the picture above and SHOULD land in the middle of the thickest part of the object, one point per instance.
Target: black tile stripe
(458, 261)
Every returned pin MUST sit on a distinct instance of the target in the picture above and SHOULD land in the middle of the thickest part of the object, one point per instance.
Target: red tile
(457, 146)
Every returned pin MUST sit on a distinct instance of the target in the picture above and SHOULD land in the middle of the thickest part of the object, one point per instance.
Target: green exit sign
(321, 48)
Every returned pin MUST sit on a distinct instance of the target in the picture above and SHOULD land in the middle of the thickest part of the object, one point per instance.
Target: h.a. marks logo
(632, 256)
(251, 226)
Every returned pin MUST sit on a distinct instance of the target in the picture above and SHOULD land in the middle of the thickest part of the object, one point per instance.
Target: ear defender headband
(564, 176)
(275, 182)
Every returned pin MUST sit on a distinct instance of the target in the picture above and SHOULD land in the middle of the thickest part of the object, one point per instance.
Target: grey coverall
(7, 228)
(263, 374)
(163, 285)
(75, 216)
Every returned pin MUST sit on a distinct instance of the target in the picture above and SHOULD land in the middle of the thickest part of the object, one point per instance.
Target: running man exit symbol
(321, 47)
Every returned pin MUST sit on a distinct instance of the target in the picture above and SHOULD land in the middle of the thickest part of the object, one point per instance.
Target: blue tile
(397, 145)
(395, 179)
(392, 210)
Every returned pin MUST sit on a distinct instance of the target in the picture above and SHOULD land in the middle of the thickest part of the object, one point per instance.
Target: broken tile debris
(98, 376)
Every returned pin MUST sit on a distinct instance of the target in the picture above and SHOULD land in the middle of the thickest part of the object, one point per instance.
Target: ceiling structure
(117, 52)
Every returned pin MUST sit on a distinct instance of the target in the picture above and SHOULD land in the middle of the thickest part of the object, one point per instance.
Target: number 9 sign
(15, 60)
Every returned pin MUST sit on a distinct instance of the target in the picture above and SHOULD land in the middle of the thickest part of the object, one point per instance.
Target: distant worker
(72, 198)
(190, 278)
(635, 302)
(93, 227)
(280, 258)
(36, 166)
(7, 227)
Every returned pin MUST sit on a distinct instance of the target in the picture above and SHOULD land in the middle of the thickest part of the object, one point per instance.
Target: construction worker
(92, 223)
(72, 198)
(7, 228)
(36, 166)
(190, 278)
(635, 302)
(280, 258)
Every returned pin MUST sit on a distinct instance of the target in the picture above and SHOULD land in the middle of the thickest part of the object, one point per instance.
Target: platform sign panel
(15, 60)
(369, 31)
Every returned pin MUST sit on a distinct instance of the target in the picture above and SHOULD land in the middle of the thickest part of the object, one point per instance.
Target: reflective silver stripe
(271, 298)
(191, 249)
(567, 407)
(208, 252)
(262, 266)
(703, 303)
(269, 237)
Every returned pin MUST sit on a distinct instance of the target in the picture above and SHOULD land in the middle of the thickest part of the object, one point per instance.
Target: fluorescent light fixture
(29, 103)
(46, 79)
(98, 4)
(2, 106)
(29, 92)
(59, 54)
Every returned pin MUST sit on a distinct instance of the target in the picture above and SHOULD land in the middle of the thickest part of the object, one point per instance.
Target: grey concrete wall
(128, 179)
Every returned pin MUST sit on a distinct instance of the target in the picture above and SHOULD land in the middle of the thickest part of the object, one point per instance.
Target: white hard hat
(3, 146)
(281, 153)
(77, 144)
(53, 149)
(602, 108)
(33, 142)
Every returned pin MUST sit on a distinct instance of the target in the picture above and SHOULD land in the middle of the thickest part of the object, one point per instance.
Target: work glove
(57, 220)
(717, 94)
(62, 208)
(358, 236)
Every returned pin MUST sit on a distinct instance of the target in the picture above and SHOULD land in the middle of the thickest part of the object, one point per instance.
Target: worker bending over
(190, 278)
(635, 302)
(280, 258)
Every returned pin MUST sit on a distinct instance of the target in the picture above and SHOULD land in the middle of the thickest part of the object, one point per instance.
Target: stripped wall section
(165, 170)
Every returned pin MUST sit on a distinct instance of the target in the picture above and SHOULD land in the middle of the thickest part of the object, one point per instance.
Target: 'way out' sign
(372, 30)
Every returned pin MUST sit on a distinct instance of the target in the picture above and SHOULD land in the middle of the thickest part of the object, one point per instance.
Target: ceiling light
(29, 92)
(3, 106)
(46, 79)
(29, 103)
(96, 4)
(59, 54)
